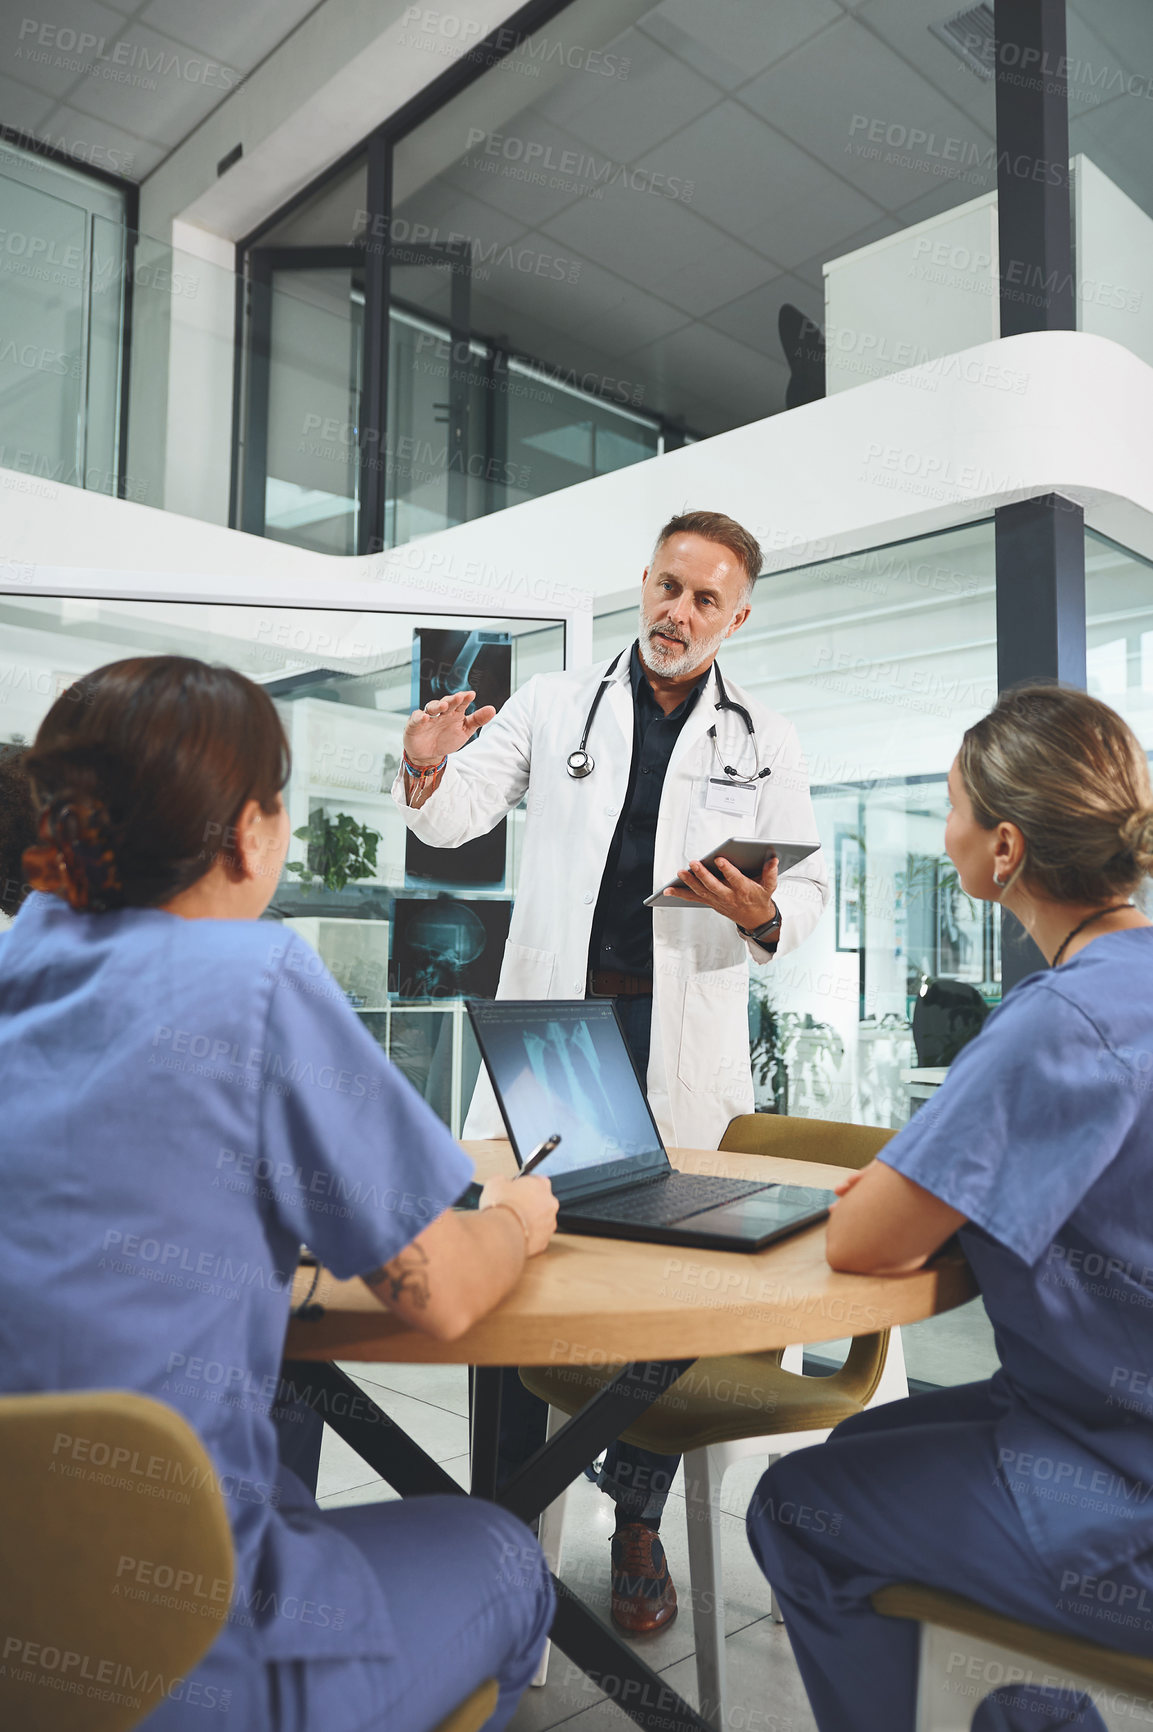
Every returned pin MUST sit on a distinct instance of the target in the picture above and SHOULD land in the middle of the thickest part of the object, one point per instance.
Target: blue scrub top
(184, 1103)
(1042, 1136)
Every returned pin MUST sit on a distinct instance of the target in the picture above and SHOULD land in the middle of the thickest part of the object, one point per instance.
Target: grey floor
(765, 1693)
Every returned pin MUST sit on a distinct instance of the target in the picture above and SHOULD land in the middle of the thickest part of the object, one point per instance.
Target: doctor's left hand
(742, 899)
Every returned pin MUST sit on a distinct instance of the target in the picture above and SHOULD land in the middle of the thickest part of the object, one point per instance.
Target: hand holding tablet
(748, 854)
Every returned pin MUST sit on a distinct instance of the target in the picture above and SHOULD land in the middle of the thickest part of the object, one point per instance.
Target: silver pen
(539, 1153)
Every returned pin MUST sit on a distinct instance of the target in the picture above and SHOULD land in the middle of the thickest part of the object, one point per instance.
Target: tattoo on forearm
(405, 1278)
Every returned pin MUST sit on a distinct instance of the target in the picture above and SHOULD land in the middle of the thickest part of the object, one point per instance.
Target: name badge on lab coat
(739, 798)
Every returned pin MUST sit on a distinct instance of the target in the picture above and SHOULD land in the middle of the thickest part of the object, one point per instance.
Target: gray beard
(679, 667)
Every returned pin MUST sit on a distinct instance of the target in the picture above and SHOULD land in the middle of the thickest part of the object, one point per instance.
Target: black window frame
(378, 149)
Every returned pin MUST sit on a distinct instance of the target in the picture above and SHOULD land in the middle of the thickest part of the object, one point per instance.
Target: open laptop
(563, 1066)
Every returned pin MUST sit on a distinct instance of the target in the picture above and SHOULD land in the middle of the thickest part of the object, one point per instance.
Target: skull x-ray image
(444, 948)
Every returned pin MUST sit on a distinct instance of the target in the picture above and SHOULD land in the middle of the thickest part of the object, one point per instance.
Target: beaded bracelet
(423, 772)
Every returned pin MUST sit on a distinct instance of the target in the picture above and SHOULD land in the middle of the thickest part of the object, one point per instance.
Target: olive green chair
(743, 1404)
(118, 1561)
(967, 1652)
(472, 1713)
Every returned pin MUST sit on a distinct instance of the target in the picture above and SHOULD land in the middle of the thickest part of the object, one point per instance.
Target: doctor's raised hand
(430, 734)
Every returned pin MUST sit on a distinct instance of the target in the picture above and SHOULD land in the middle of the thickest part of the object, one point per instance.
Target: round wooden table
(597, 1301)
(651, 1310)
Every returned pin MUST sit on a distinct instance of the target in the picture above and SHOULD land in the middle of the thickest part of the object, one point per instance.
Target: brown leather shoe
(644, 1598)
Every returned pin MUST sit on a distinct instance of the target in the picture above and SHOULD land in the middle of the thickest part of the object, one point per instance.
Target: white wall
(934, 288)
(1059, 411)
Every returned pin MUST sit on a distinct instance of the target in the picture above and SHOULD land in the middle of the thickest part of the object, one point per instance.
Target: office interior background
(365, 349)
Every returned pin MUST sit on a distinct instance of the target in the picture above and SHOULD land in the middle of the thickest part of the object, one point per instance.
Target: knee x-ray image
(446, 661)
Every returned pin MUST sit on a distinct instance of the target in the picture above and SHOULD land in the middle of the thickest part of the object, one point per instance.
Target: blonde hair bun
(1071, 774)
(1137, 837)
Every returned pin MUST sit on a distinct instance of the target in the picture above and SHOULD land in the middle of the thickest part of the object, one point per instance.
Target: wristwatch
(767, 935)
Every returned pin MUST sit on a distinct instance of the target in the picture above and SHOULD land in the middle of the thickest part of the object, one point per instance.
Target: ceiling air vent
(970, 36)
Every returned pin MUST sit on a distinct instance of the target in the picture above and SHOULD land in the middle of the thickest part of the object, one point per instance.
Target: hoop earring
(999, 882)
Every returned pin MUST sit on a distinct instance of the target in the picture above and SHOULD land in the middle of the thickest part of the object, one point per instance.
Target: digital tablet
(747, 854)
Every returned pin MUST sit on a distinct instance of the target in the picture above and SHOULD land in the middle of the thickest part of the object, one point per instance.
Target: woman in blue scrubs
(1031, 1494)
(187, 1098)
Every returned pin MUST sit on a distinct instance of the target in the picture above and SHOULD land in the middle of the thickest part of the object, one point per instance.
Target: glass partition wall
(63, 284)
(406, 930)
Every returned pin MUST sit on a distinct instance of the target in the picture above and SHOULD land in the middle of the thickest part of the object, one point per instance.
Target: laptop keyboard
(663, 1201)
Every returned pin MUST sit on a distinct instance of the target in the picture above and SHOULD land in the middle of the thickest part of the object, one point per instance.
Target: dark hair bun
(76, 854)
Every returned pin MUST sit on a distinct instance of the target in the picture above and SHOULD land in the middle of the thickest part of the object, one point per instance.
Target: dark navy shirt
(1041, 1136)
(622, 932)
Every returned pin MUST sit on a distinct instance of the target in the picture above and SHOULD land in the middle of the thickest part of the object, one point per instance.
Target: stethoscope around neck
(580, 763)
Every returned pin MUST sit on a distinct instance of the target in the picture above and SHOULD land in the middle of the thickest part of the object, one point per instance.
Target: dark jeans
(912, 1492)
(637, 1480)
(636, 1020)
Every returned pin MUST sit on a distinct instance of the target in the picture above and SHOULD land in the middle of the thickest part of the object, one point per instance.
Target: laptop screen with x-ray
(562, 1067)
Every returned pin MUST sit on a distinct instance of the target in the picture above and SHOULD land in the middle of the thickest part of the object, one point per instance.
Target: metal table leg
(485, 1430)
(583, 1637)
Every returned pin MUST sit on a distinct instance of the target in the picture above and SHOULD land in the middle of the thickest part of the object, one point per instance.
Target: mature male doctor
(631, 773)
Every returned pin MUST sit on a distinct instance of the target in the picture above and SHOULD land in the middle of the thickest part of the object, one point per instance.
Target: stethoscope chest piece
(579, 764)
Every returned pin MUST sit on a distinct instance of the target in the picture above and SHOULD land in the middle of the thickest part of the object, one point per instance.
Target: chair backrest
(117, 1559)
(471, 1714)
(945, 1018)
(805, 1139)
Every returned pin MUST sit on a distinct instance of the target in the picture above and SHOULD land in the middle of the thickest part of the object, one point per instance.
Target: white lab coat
(699, 1074)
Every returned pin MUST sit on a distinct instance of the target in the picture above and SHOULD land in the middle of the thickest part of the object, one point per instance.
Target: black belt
(611, 983)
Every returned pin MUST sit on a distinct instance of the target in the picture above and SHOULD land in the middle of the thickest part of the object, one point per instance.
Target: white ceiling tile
(624, 116)
(1126, 26)
(784, 202)
(1103, 53)
(137, 82)
(731, 41)
(905, 29)
(99, 145)
(21, 106)
(696, 360)
(531, 168)
(168, 88)
(48, 58)
(227, 33)
(449, 213)
(752, 320)
(662, 242)
(844, 83)
(626, 315)
(600, 307)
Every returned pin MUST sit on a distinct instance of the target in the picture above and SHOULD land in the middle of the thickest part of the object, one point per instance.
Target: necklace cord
(1114, 908)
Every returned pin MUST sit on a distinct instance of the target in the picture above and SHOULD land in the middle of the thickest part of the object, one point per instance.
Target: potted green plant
(339, 850)
(779, 1039)
(766, 1051)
